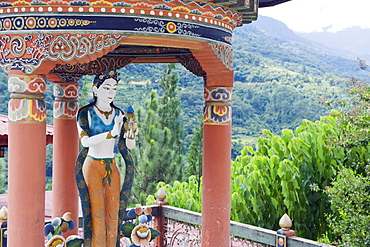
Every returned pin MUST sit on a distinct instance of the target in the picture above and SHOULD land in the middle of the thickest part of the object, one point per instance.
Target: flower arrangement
(139, 233)
(54, 230)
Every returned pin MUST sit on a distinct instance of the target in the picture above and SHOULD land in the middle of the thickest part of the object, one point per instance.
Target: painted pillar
(65, 150)
(216, 166)
(27, 159)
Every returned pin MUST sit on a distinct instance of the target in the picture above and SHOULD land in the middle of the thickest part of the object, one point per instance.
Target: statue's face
(107, 91)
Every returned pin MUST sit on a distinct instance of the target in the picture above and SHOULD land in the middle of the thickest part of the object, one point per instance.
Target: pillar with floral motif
(65, 145)
(27, 155)
(216, 167)
(215, 60)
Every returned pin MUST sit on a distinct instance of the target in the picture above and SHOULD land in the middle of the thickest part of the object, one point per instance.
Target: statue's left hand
(131, 132)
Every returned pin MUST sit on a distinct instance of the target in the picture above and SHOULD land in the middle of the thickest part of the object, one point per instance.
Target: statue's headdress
(99, 79)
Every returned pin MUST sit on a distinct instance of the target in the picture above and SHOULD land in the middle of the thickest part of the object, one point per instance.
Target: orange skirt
(102, 177)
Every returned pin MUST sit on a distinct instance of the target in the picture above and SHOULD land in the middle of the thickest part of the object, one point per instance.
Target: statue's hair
(99, 79)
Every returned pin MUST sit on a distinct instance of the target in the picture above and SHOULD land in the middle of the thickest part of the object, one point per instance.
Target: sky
(321, 15)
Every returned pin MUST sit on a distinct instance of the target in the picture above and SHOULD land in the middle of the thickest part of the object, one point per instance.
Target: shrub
(349, 221)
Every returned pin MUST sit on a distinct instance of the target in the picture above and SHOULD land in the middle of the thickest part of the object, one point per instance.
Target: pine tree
(159, 151)
(170, 118)
(195, 154)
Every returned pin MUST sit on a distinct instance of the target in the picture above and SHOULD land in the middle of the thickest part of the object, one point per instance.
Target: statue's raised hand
(118, 122)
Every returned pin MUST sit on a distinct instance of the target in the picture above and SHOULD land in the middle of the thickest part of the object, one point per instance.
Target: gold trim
(83, 133)
(27, 120)
(190, 43)
(3, 229)
(215, 87)
(28, 96)
(61, 99)
(174, 46)
(109, 135)
(65, 118)
(163, 37)
(27, 75)
(217, 103)
(213, 123)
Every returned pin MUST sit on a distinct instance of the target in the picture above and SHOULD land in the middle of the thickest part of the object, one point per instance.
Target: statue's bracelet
(109, 135)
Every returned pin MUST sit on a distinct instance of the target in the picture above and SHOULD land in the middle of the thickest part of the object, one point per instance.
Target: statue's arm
(130, 143)
(88, 141)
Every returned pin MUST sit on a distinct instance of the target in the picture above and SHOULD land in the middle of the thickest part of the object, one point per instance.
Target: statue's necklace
(105, 113)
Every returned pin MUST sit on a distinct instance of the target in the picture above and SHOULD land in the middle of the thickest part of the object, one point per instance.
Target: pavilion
(56, 42)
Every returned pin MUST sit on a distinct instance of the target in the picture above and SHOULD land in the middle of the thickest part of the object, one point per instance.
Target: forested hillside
(278, 77)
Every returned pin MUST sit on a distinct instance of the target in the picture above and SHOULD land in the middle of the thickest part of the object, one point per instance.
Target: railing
(182, 227)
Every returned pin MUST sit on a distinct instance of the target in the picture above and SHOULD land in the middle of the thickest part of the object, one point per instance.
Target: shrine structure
(46, 43)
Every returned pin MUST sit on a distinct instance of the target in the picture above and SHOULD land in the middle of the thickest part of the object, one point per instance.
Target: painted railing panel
(241, 234)
(192, 222)
(183, 229)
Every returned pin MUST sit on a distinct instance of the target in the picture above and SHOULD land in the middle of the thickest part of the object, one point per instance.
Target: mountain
(354, 41)
(275, 28)
(279, 77)
(274, 40)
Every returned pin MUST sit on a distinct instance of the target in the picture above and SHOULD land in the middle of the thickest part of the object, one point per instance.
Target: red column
(27, 159)
(216, 167)
(65, 150)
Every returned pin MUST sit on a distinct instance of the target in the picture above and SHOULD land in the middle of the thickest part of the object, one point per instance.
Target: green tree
(159, 152)
(350, 202)
(353, 115)
(170, 118)
(85, 91)
(350, 192)
(181, 194)
(4, 93)
(195, 153)
(146, 152)
(4, 174)
(353, 123)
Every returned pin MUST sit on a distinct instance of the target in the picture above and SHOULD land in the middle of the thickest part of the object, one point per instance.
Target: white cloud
(320, 15)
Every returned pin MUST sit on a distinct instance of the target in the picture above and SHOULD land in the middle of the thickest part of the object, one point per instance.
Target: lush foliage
(158, 155)
(4, 93)
(283, 174)
(170, 117)
(195, 154)
(350, 203)
(279, 176)
(353, 113)
(3, 176)
(188, 194)
(350, 194)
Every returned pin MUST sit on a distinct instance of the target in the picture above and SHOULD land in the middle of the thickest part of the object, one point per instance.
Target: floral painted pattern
(139, 233)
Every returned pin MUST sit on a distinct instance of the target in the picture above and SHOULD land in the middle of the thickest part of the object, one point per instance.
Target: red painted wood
(26, 176)
(216, 185)
(65, 151)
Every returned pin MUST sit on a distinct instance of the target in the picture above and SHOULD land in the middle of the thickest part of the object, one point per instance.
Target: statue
(100, 124)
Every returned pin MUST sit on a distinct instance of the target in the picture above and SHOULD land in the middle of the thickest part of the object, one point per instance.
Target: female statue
(97, 175)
